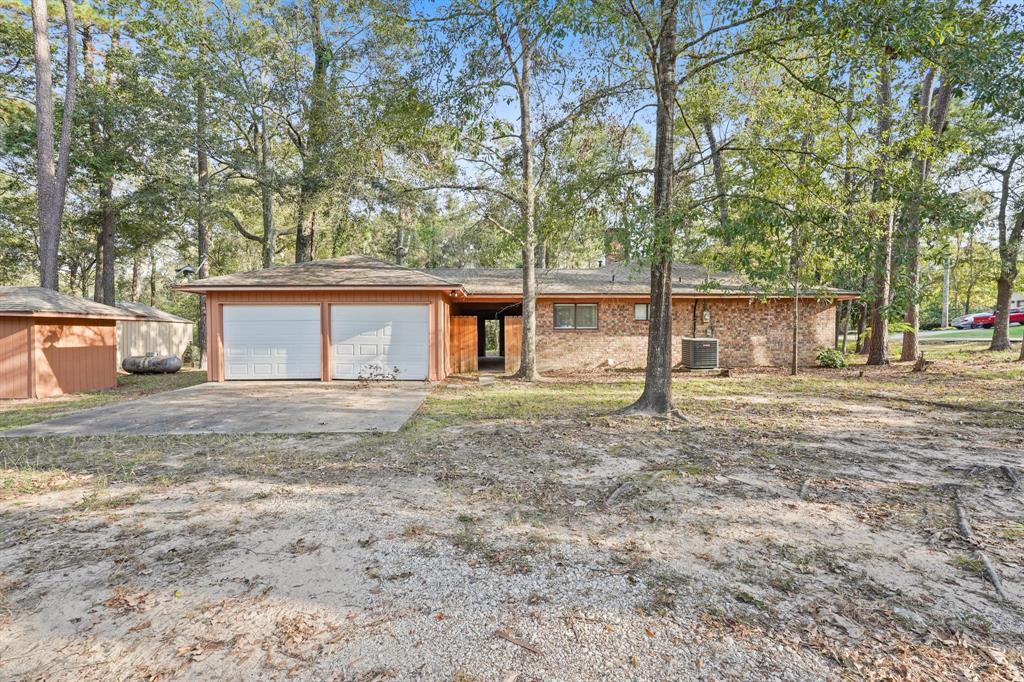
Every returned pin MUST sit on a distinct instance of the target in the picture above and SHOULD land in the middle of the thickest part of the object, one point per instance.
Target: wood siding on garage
(464, 344)
(513, 332)
(439, 363)
(43, 357)
(15, 357)
(74, 357)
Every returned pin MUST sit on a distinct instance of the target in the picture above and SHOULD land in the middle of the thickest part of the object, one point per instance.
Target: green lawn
(15, 413)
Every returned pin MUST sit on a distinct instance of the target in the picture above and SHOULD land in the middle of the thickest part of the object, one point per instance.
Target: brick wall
(750, 333)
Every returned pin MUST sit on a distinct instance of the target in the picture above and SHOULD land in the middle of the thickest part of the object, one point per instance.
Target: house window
(575, 316)
(640, 312)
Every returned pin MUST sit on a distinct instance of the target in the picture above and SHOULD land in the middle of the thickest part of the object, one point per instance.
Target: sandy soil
(512, 533)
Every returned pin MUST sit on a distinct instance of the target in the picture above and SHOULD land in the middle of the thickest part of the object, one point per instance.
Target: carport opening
(493, 359)
(490, 336)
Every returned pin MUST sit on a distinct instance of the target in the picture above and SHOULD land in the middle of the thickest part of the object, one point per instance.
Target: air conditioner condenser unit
(700, 353)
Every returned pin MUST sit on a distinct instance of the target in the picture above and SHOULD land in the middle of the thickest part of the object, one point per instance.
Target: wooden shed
(156, 331)
(51, 343)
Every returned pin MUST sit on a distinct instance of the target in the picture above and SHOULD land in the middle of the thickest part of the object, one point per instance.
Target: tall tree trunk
(136, 276)
(718, 169)
(202, 233)
(1010, 237)
(83, 283)
(108, 227)
(796, 261)
(400, 234)
(542, 254)
(52, 173)
(152, 277)
(303, 233)
(794, 367)
(846, 325)
(878, 342)
(931, 114)
(97, 280)
(528, 360)
(108, 209)
(878, 347)
(863, 313)
(657, 394)
(266, 195)
(312, 149)
(1001, 327)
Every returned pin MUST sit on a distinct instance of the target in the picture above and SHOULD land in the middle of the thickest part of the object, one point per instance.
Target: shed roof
(331, 273)
(149, 312)
(40, 302)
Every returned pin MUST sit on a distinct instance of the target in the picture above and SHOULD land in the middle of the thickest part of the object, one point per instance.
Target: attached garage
(382, 340)
(345, 318)
(271, 341)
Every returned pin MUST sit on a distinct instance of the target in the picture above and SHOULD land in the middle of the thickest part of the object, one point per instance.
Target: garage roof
(331, 273)
(40, 302)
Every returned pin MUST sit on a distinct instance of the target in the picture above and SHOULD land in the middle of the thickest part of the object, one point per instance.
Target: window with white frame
(575, 316)
(640, 311)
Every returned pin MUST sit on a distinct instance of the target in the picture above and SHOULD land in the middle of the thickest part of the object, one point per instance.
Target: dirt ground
(777, 529)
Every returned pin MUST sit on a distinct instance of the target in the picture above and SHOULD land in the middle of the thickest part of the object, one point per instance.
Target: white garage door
(271, 342)
(372, 339)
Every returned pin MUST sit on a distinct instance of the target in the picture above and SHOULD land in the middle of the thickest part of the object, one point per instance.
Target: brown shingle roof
(619, 279)
(614, 279)
(39, 301)
(347, 271)
(149, 312)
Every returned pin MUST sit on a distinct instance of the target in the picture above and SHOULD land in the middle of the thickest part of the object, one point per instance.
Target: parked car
(989, 320)
(967, 321)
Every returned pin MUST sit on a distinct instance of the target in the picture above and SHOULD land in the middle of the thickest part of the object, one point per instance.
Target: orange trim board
(496, 298)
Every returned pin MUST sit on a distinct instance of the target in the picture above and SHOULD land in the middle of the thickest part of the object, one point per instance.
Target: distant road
(1016, 333)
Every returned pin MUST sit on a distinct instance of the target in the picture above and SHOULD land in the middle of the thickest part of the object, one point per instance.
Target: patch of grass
(15, 482)
(969, 564)
(745, 597)
(15, 413)
(509, 400)
(665, 586)
(784, 583)
(508, 559)
(1012, 532)
(95, 501)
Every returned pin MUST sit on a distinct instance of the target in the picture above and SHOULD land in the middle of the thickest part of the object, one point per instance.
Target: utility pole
(945, 292)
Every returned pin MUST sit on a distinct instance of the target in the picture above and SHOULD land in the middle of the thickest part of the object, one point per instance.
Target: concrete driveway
(247, 407)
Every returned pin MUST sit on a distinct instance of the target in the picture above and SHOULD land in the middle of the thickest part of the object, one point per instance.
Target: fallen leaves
(125, 600)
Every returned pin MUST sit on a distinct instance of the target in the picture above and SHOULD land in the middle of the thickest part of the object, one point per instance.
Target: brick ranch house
(342, 317)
